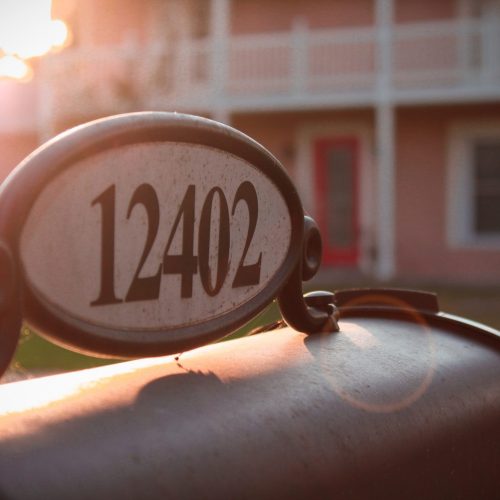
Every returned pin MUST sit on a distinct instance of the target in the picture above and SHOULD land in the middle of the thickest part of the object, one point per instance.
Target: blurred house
(386, 113)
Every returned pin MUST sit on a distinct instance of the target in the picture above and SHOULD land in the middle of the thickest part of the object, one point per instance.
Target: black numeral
(185, 264)
(107, 293)
(248, 274)
(145, 288)
(204, 242)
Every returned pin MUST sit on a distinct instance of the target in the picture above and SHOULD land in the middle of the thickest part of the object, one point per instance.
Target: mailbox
(402, 402)
(154, 234)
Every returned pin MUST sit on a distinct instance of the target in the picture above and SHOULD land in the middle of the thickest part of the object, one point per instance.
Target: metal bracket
(314, 312)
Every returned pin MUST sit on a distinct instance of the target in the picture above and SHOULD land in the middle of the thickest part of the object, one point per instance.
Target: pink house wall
(252, 16)
(18, 123)
(110, 21)
(407, 11)
(421, 139)
(18, 105)
(14, 148)
(422, 250)
(421, 159)
(278, 131)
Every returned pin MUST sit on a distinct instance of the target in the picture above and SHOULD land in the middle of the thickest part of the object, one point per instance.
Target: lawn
(36, 355)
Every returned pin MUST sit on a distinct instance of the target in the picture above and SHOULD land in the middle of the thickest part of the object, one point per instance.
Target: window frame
(460, 186)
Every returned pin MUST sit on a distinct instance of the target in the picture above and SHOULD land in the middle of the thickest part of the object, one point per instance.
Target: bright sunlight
(27, 30)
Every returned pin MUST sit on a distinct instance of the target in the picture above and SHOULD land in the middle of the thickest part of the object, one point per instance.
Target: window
(474, 187)
(486, 171)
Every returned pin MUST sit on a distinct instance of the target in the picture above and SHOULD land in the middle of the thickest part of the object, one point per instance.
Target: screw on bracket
(323, 301)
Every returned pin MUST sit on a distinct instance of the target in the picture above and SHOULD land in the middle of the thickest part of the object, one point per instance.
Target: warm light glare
(12, 67)
(26, 31)
(361, 337)
(58, 33)
(18, 397)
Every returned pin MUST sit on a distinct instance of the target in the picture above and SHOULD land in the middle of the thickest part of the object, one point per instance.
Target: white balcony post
(384, 19)
(299, 56)
(384, 139)
(220, 30)
(464, 42)
(491, 46)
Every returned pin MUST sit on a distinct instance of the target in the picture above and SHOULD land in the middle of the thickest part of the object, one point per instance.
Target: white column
(384, 140)
(384, 20)
(465, 48)
(386, 199)
(299, 55)
(220, 31)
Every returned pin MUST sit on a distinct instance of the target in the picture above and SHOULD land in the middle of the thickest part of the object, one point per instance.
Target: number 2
(248, 274)
(147, 288)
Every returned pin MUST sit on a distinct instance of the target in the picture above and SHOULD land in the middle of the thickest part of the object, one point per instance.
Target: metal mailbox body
(394, 405)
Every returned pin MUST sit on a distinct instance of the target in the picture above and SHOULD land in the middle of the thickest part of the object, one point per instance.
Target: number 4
(185, 264)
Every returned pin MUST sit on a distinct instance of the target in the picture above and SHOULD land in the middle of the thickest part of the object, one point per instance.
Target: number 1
(107, 293)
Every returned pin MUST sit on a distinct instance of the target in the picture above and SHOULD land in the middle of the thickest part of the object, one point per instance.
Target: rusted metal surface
(384, 408)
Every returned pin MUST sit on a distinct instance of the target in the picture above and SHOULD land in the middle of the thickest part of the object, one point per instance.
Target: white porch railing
(436, 54)
(302, 61)
(296, 66)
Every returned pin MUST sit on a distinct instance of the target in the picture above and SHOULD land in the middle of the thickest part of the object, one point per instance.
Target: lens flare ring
(410, 396)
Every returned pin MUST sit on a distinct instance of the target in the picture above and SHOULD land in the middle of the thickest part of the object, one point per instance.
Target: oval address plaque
(149, 233)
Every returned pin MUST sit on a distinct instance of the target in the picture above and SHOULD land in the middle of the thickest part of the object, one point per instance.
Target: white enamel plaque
(183, 234)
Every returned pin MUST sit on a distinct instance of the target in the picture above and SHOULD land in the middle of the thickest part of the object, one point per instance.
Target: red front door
(337, 177)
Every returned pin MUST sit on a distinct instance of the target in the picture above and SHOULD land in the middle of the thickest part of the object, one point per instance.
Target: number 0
(204, 242)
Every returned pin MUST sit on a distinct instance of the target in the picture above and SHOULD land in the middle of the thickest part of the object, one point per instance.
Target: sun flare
(12, 67)
(27, 30)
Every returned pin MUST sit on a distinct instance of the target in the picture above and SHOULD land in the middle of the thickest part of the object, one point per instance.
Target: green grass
(478, 304)
(36, 355)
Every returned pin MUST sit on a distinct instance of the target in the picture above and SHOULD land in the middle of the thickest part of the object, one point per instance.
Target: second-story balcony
(302, 69)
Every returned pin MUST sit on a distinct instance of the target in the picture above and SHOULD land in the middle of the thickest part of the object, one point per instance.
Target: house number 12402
(186, 264)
